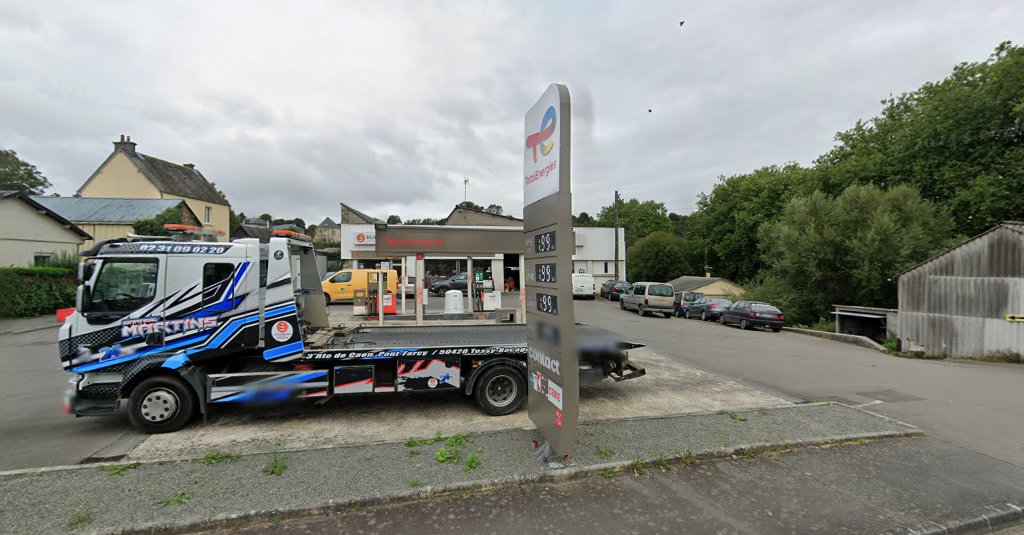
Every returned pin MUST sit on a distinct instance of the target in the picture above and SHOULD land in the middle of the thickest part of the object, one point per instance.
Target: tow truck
(174, 328)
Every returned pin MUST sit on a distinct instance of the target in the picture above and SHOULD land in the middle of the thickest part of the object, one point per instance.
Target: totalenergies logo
(542, 139)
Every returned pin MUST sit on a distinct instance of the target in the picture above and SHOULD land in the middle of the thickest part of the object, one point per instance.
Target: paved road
(871, 488)
(34, 430)
(976, 405)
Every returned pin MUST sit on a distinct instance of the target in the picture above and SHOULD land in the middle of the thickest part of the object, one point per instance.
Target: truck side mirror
(85, 270)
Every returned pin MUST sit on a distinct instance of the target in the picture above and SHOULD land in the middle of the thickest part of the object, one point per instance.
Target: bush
(37, 291)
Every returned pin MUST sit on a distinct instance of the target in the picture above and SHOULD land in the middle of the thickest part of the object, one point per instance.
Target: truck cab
(148, 312)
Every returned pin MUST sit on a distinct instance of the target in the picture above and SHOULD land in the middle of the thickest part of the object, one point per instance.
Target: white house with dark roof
(127, 173)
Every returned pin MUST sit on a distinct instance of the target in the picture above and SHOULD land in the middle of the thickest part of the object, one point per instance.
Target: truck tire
(161, 404)
(500, 390)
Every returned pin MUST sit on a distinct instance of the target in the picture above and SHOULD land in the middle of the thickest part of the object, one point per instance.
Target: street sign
(1015, 317)
(553, 363)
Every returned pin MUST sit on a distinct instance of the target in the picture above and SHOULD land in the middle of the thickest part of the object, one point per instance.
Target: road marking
(870, 403)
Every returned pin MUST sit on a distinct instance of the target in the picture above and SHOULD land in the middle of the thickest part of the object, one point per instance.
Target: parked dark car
(707, 308)
(682, 301)
(617, 289)
(606, 287)
(748, 314)
(457, 282)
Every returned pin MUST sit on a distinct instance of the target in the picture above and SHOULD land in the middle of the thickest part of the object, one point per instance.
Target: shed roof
(687, 283)
(107, 210)
(1014, 226)
(10, 194)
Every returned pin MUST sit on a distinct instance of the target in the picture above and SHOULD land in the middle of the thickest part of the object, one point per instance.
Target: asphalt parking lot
(972, 404)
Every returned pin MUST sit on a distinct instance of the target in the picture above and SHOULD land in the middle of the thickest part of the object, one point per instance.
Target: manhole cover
(889, 396)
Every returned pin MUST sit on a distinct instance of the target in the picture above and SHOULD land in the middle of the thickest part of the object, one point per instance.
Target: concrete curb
(219, 522)
(986, 520)
(854, 339)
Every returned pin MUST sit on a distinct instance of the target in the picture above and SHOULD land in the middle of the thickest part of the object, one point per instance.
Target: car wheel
(622, 305)
(721, 319)
(703, 315)
(500, 390)
(161, 404)
(744, 325)
(640, 310)
(327, 298)
(686, 314)
(442, 290)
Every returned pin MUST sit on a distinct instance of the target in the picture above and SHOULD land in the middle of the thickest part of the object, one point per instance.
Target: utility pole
(617, 235)
(465, 189)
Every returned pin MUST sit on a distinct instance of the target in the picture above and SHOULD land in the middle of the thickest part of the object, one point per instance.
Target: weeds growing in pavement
(736, 417)
(217, 457)
(277, 464)
(177, 499)
(413, 453)
(608, 473)
(278, 519)
(604, 451)
(474, 460)
(414, 483)
(118, 469)
(451, 452)
(445, 455)
(79, 519)
(638, 467)
(417, 442)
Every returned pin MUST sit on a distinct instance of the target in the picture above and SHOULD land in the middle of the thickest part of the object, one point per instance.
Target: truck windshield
(124, 285)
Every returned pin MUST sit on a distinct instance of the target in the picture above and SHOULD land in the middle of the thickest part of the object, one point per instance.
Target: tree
(425, 221)
(311, 231)
(471, 205)
(154, 226)
(583, 220)
(826, 250)
(495, 209)
(959, 141)
(19, 175)
(394, 220)
(267, 217)
(637, 219)
(656, 257)
(234, 221)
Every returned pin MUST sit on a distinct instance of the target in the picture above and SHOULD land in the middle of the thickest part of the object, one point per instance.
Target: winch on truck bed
(174, 327)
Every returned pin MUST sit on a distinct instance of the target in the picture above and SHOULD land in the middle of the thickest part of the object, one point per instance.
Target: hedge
(35, 291)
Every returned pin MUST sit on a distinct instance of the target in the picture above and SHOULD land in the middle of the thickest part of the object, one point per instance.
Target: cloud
(386, 106)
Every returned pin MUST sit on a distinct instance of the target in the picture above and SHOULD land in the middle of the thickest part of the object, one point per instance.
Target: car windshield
(124, 285)
(764, 307)
(660, 290)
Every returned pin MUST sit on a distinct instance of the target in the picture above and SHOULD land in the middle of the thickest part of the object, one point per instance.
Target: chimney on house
(125, 144)
(190, 165)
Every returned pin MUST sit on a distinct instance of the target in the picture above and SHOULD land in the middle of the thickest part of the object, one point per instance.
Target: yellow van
(341, 285)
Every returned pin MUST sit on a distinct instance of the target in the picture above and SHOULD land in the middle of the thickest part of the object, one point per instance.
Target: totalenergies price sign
(547, 223)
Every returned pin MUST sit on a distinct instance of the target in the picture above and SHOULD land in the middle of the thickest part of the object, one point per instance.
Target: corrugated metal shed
(957, 303)
(106, 210)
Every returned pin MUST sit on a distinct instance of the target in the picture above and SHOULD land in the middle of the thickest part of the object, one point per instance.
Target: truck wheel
(161, 405)
(500, 390)
(327, 298)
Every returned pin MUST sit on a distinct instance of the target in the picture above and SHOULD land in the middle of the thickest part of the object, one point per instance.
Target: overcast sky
(386, 106)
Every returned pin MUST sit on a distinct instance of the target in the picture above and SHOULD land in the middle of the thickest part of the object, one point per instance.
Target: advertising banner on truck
(547, 227)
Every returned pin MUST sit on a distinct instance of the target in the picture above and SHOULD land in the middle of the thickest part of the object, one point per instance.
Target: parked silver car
(647, 297)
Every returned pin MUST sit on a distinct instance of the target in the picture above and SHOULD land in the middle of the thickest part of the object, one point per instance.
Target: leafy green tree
(826, 250)
(959, 141)
(19, 175)
(267, 217)
(394, 220)
(471, 205)
(235, 221)
(637, 219)
(583, 220)
(724, 227)
(656, 257)
(154, 226)
(425, 221)
(495, 209)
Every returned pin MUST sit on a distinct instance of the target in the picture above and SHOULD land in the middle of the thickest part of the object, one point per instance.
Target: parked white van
(583, 286)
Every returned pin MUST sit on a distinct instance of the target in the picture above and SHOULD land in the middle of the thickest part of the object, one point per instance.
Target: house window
(208, 215)
(42, 259)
